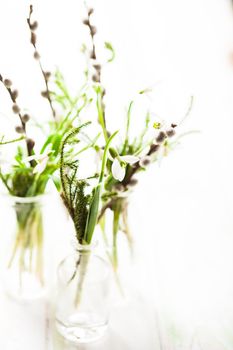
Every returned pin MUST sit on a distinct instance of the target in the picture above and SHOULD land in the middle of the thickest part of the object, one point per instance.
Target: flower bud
(36, 55)
(86, 22)
(97, 67)
(90, 11)
(34, 25)
(144, 162)
(132, 182)
(93, 30)
(96, 78)
(47, 75)
(161, 137)
(170, 132)
(92, 55)
(30, 144)
(19, 129)
(33, 38)
(113, 152)
(7, 83)
(16, 108)
(14, 94)
(25, 118)
(173, 125)
(44, 94)
(154, 148)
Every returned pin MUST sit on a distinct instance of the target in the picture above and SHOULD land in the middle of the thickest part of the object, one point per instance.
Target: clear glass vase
(82, 307)
(23, 273)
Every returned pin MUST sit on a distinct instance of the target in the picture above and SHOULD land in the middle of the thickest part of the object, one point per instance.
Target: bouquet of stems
(35, 162)
(129, 157)
(88, 198)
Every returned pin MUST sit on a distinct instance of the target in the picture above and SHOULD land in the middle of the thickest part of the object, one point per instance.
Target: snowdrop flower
(119, 165)
(41, 159)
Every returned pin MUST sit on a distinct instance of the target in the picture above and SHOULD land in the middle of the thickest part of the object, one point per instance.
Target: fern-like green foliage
(74, 195)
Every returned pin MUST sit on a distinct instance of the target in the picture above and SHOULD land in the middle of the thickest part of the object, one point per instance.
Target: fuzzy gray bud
(47, 75)
(90, 11)
(144, 162)
(7, 83)
(19, 129)
(97, 67)
(93, 30)
(154, 148)
(161, 137)
(30, 144)
(44, 94)
(33, 38)
(170, 132)
(25, 118)
(16, 108)
(14, 94)
(133, 182)
(36, 55)
(92, 55)
(34, 25)
(96, 78)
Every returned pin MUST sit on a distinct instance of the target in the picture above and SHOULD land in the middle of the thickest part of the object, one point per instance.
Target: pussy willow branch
(92, 30)
(13, 96)
(33, 26)
(93, 56)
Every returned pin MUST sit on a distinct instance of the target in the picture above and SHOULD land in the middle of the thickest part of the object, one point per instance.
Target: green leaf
(110, 48)
(94, 206)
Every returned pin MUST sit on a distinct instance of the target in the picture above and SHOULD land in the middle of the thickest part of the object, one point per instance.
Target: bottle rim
(15, 200)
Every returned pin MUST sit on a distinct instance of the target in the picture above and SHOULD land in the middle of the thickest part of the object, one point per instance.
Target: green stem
(12, 141)
(101, 118)
(81, 273)
(127, 128)
(116, 218)
(29, 241)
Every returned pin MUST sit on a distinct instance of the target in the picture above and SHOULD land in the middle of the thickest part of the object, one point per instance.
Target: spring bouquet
(94, 169)
(130, 155)
(35, 162)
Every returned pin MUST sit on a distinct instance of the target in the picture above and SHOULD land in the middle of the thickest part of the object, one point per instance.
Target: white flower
(119, 164)
(41, 159)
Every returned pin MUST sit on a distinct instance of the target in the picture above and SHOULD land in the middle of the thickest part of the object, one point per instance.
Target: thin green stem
(127, 128)
(101, 115)
(12, 141)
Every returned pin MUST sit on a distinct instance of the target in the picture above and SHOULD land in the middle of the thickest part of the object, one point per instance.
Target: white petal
(130, 159)
(118, 171)
(40, 167)
(35, 157)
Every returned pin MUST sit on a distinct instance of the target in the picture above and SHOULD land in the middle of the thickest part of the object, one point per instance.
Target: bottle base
(81, 328)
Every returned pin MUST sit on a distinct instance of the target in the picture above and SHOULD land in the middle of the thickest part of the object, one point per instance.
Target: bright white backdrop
(182, 211)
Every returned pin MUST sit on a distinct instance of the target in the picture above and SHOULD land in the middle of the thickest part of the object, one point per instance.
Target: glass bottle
(82, 307)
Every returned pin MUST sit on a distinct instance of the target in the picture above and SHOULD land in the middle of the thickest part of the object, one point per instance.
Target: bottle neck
(84, 248)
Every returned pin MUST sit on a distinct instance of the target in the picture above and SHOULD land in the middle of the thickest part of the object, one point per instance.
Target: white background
(182, 210)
